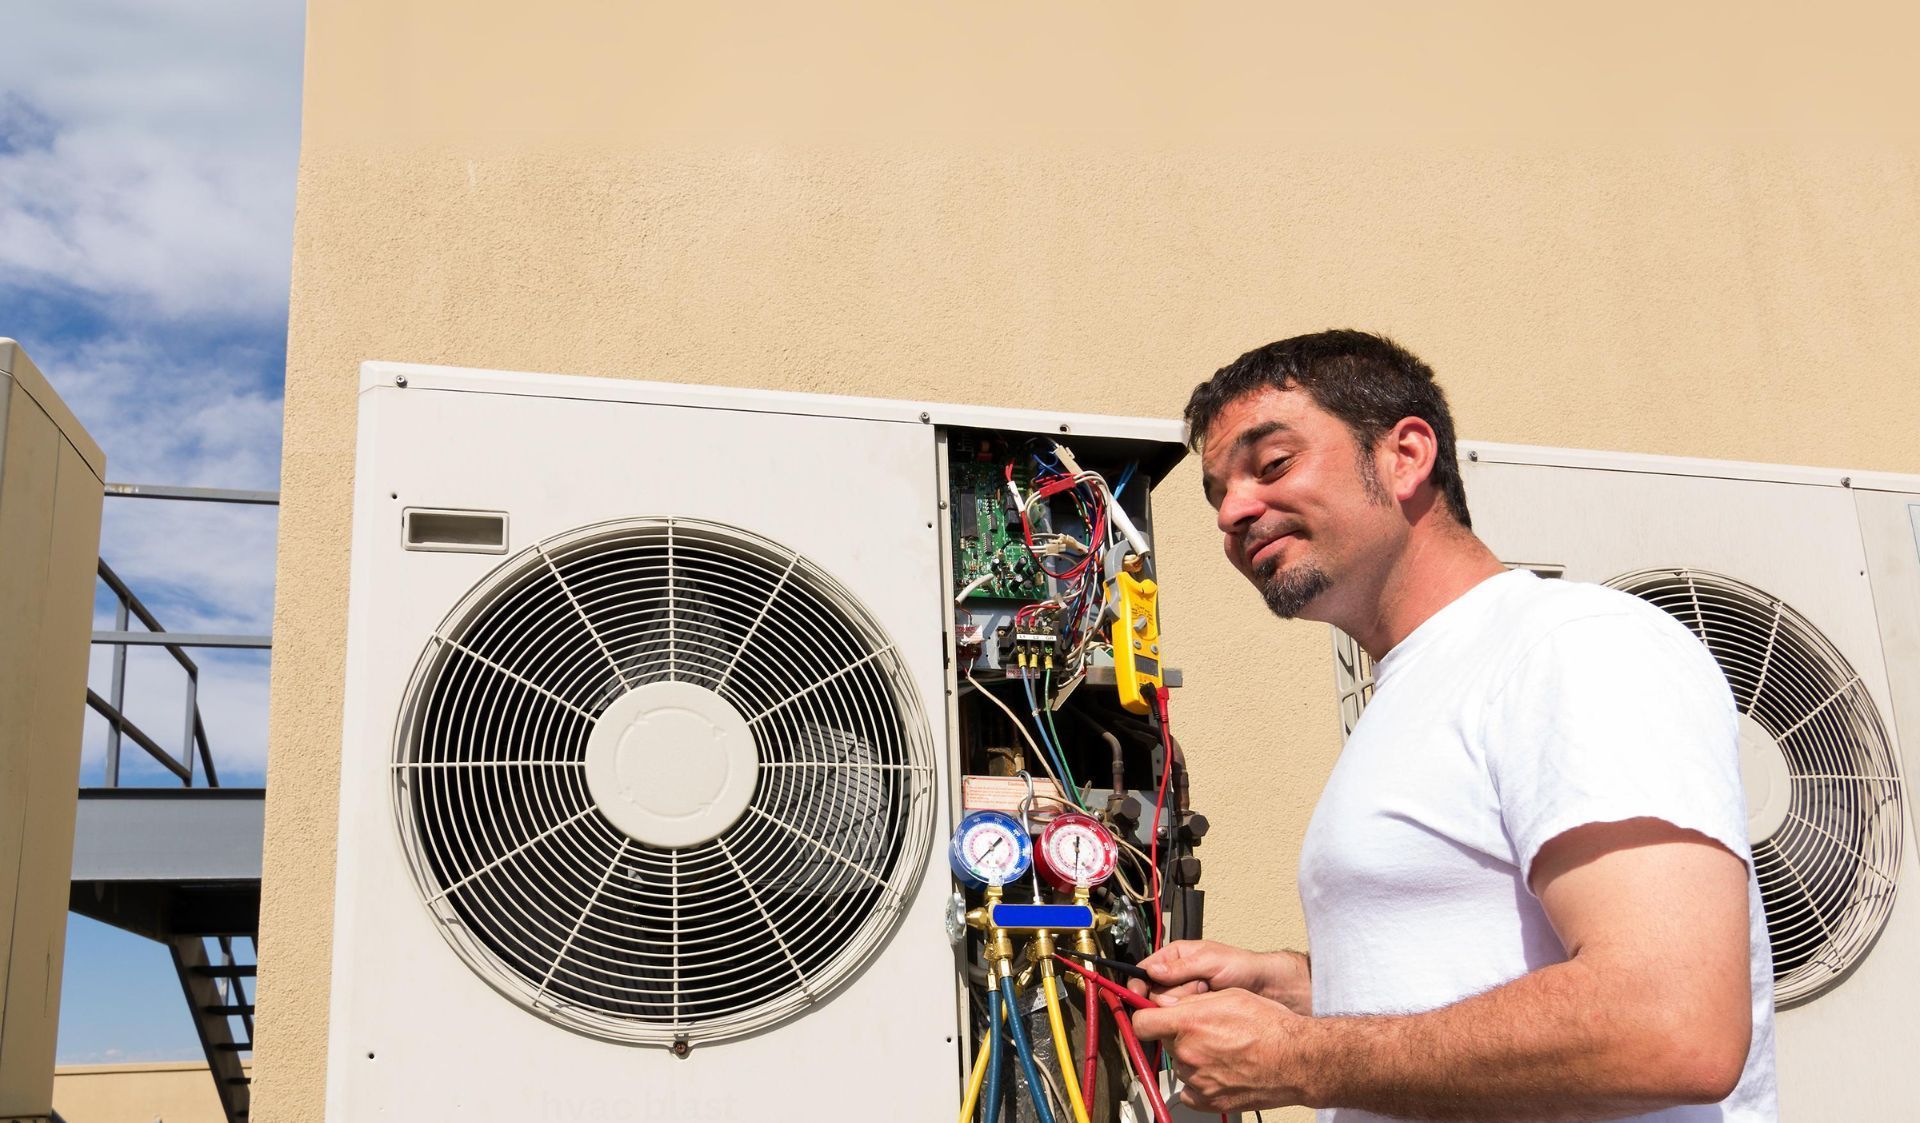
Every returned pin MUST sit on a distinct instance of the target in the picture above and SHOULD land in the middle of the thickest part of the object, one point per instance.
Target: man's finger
(1184, 990)
(1178, 962)
(1156, 1025)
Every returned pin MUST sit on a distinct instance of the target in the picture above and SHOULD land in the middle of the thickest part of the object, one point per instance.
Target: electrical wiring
(1019, 725)
(973, 586)
(1152, 892)
(1042, 489)
(1053, 735)
(1106, 985)
(1067, 784)
(1136, 1056)
(1158, 701)
(1046, 695)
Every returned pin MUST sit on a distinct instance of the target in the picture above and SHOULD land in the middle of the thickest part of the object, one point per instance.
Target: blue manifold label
(1054, 917)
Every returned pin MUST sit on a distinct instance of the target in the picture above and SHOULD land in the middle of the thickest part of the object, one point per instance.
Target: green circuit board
(986, 529)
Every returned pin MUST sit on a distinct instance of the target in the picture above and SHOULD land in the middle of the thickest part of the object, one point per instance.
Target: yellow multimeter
(1136, 637)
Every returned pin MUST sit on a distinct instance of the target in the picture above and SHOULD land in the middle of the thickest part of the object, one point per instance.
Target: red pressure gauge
(1075, 852)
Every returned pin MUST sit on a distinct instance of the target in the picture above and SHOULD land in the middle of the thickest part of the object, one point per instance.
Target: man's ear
(1408, 452)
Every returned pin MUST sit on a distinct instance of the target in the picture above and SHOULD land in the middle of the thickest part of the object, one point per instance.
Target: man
(1527, 884)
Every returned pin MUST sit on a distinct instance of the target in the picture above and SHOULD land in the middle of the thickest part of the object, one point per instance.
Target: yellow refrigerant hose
(979, 1074)
(1052, 986)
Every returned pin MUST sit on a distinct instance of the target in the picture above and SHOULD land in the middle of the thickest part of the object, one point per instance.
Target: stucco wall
(1070, 222)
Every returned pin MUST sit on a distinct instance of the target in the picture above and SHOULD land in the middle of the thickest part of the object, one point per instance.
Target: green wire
(1059, 750)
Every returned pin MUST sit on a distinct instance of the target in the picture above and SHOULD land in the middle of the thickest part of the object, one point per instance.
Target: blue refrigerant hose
(995, 1055)
(1020, 1045)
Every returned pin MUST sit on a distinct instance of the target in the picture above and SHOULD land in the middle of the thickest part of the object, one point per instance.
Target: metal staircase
(178, 865)
(216, 993)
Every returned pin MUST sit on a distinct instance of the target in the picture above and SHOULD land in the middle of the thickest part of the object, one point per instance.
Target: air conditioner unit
(652, 742)
(1805, 586)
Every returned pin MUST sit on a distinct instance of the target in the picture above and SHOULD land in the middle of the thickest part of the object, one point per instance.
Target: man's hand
(1229, 1047)
(1189, 967)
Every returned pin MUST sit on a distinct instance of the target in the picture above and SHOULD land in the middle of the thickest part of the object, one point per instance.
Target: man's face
(1300, 519)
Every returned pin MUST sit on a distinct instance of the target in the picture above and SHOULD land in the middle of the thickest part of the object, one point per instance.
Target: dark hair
(1367, 381)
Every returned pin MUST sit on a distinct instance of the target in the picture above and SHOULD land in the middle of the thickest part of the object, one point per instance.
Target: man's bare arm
(1651, 1009)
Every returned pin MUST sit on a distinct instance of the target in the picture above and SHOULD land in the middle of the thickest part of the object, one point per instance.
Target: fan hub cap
(671, 764)
(1768, 780)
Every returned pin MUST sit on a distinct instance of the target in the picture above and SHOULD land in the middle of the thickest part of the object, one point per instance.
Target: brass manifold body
(999, 950)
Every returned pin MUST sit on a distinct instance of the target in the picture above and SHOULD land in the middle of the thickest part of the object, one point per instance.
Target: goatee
(1288, 592)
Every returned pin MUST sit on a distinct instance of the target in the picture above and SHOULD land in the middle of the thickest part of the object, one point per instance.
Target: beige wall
(166, 1092)
(1093, 210)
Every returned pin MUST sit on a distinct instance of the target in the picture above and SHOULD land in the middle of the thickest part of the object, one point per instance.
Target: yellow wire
(1060, 1043)
(979, 1074)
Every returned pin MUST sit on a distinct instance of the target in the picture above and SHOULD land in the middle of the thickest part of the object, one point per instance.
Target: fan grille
(1827, 874)
(551, 902)
(1352, 680)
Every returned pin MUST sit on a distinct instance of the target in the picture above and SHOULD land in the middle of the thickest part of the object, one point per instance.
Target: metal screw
(1473, 456)
(681, 1048)
(1846, 481)
(400, 380)
(943, 504)
(925, 416)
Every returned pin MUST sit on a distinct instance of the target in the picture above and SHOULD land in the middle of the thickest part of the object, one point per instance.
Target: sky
(148, 152)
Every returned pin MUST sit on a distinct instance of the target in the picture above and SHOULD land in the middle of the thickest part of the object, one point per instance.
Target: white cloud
(233, 708)
(193, 420)
(150, 150)
(186, 417)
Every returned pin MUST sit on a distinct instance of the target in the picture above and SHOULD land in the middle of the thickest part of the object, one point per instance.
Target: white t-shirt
(1523, 709)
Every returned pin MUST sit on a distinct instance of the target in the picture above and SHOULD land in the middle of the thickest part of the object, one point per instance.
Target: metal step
(211, 1009)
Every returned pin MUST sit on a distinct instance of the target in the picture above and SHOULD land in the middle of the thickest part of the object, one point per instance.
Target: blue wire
(1124, 478)
(997, 1054)
(1053, 752)
(1019, 1027)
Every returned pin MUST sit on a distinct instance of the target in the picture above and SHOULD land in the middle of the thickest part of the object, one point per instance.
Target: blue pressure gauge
(989, 848)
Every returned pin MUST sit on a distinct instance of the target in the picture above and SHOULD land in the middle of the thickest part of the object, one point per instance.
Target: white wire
(968, 590)
(1021, 726)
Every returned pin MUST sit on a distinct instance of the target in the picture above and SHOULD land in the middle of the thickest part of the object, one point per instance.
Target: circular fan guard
(1352, 680)
(573, 918)
(1827, 874)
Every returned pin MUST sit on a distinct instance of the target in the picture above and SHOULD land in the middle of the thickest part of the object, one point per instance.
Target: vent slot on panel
(465, 532)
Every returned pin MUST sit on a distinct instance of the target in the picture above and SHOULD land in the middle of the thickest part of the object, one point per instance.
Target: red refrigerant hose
(1092, 1017)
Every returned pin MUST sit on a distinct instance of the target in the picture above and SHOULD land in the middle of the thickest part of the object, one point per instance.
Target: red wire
(1107, 986)
(1026, 530)
(1159, 801)
(1138, 1056)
